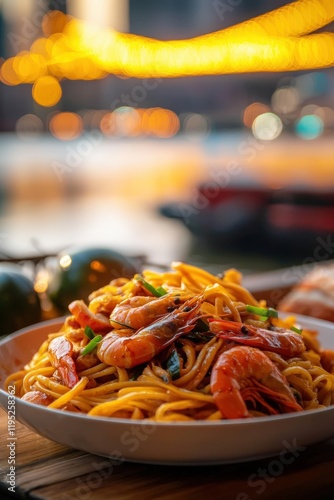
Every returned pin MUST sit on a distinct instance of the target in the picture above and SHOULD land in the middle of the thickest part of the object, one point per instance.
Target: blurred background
(109, 139)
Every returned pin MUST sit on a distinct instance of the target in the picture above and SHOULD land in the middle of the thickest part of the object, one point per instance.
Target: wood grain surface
(49, 471)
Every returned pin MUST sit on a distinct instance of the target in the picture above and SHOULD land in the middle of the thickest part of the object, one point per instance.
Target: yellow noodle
(148, 391)
(15, 379)
(218, 291)
(190, 354)
(176, 405)
(209, 354)
(108, 370)
(30, 377)
(71, 394)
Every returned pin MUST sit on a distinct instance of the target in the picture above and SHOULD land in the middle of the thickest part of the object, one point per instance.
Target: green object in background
(76, 273)
(19, 302)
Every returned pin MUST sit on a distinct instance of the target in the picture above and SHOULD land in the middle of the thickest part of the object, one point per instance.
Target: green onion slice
(297, 330)
(157, 292)
(262, 311)
(89, 333)
(91, 345)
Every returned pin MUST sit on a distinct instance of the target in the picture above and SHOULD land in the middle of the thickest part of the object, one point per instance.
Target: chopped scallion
(157, 292)
(297, 330)
(89, 333)
(262, 311)
(91, 345)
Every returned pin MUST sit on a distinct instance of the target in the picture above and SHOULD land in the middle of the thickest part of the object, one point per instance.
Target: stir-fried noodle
(177, 346)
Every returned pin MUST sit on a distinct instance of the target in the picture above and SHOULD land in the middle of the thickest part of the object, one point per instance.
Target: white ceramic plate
(165, 443)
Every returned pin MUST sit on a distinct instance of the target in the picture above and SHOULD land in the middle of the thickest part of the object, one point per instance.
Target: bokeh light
(127, 121)
(8, 74)
(194, 123)
(267, 126)
(47, 91)
(326, 114)
(309, 127)
(163, 122)
(66, 126)
(253, 111)
(65, 261)
(285, 100)
(29, 126)
(54, 22)
(309, 109)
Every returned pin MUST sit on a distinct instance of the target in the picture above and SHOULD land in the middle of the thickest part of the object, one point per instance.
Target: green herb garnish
(297, 330)
(262, 311)
(89, 333)
(157, 292)
(91, 345)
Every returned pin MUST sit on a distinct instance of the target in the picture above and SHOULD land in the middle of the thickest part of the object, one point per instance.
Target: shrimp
(141, 346)
(140, 311)
(61, 356)
(85, 317)
(282, 341)
(245, 373)
(38, 398)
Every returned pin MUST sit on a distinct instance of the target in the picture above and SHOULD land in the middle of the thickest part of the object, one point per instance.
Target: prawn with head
(142, 345)
(246, 373)
(280, 340)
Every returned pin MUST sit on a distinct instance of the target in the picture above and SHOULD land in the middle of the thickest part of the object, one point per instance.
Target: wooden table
(48, 471)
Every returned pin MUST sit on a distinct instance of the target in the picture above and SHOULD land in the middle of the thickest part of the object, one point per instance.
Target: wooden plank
(30, 447)
(47, 471)
(268, 478)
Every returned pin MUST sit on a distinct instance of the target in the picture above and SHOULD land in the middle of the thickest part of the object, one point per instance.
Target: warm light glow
(54, 22)
(280, 40)
(8, 74)
(96, 265)
(47, 91)
(41, 285)
(253, 111)
(126, 121)
(66, 126)
(107, 13)
(65, 261)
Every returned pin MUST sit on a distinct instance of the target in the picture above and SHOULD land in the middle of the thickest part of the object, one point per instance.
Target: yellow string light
(279, 40)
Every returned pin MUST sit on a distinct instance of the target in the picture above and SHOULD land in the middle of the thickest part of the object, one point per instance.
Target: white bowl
(173, 443)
